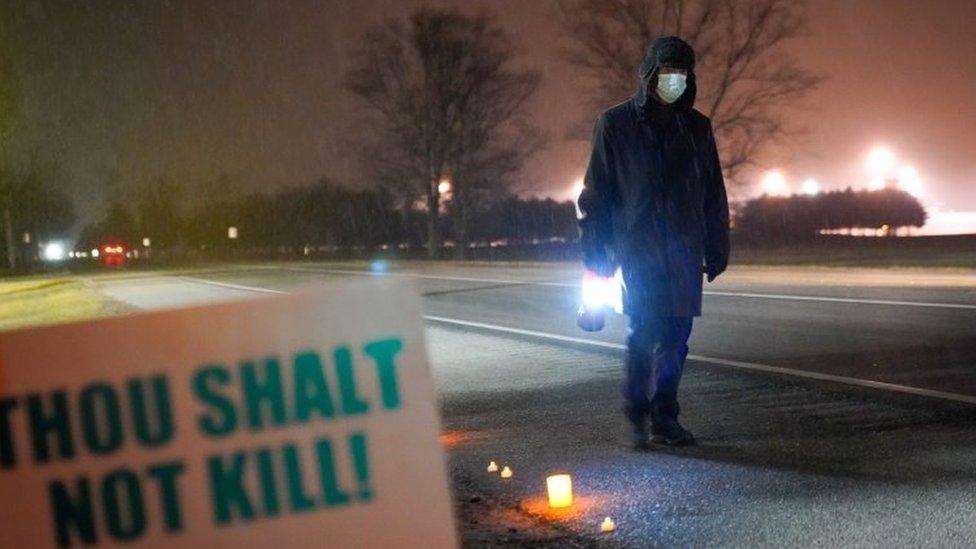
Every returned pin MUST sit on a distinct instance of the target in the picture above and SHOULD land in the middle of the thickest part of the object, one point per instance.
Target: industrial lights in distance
(810, 186)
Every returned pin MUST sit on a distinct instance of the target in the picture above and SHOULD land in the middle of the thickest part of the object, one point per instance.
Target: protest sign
(305, 420)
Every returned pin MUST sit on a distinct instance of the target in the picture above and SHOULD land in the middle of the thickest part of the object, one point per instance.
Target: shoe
(638, 429)
(672, 434)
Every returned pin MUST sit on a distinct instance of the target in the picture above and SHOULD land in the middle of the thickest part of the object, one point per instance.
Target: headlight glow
(53, 251)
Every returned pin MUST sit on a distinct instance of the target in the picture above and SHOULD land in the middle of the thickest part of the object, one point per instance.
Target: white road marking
(429, 277)
(232, 286)
(789, 297)
(891, 387)
(845, 380)
(847, 300)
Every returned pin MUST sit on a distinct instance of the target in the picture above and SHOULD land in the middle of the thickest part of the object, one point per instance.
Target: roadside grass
(38, 302)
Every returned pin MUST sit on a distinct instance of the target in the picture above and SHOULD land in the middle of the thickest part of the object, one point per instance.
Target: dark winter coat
(654, 200)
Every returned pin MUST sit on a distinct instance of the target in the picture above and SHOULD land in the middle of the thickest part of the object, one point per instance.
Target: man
(654, 204)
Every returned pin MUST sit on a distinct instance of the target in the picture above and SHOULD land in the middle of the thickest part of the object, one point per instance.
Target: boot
(638, 428)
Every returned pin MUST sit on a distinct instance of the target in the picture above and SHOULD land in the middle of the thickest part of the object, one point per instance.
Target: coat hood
(673, 52)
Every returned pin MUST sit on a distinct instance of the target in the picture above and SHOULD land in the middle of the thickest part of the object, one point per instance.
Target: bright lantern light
(444, 186)
(880, 159)
(810, 186)
(601, 291)
(232, 233)
(54, 251)
(146, 242)
(774, 183)
(560, 489)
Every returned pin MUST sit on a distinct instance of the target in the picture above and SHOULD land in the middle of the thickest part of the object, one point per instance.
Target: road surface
(835, 407)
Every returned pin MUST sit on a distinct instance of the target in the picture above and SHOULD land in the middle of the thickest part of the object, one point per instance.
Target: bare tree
(746, 77)
(444, 103)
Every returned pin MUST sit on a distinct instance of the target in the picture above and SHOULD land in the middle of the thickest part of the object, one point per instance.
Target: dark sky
(123, 92)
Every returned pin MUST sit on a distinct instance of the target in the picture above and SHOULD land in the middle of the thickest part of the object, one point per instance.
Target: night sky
(121, 93)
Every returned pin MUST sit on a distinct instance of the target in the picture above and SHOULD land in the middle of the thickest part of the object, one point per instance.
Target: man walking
(654, 204)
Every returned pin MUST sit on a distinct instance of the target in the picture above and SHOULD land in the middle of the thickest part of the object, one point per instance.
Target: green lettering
(101, 418)
(72, 514)
(311, 390)
(8, 456)
(43, 426)
(227, 489)
(360, 462)
(351, 404)
(169, 499)
(222, 419)
(332, 494)
(383, 352)
(297, 497)
(125, 514)
(260, 394)
(269, 484)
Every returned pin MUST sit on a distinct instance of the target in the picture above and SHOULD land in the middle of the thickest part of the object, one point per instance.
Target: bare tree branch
(746, 81)
(443, 101)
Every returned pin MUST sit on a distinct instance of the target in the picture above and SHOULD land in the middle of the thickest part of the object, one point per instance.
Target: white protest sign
(306, 420)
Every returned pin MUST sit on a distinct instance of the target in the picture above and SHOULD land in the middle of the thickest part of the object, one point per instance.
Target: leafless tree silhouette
(445, 103)
(745, 81)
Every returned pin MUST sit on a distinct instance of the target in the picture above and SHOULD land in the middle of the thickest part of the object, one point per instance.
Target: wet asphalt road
(784, 460)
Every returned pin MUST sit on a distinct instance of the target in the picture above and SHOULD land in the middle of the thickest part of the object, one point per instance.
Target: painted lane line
(431, 277)
(864, 383)
(749, 295)
(862, 301)
(232, 286)
(743, 365)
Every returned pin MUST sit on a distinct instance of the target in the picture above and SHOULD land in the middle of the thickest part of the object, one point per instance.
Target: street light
(232, 233)
(444, 186)
(146, 242)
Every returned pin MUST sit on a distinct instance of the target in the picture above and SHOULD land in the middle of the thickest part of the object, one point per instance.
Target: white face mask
(671, 86)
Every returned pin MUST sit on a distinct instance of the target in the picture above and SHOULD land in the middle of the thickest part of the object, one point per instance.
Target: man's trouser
(656, 352)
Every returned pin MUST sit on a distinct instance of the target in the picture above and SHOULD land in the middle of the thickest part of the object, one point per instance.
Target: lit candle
(607, 525)
(560, 488)
(492, 467)
(506, 472)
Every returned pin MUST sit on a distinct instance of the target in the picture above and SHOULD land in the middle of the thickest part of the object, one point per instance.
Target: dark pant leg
(669, 362)
(641, 342)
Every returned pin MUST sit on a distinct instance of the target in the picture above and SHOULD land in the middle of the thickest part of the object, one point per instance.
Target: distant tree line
(802, 217)
(323, 217)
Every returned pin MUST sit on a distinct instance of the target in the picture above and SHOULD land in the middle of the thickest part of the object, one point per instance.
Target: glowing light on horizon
(774, 183)
(810, 186)
(880, 159)
(909, 181)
